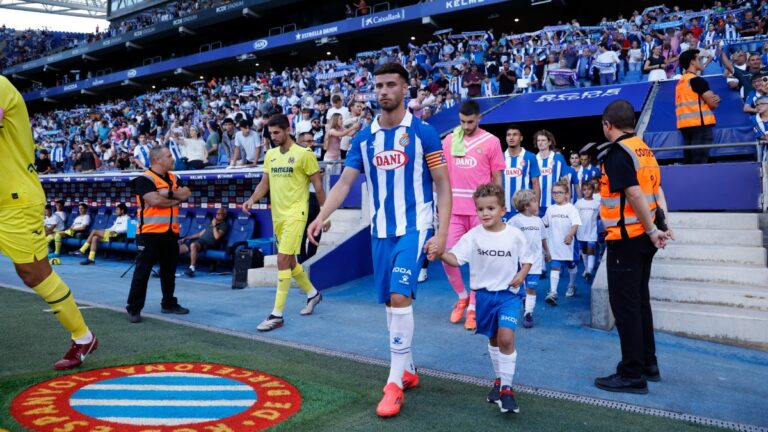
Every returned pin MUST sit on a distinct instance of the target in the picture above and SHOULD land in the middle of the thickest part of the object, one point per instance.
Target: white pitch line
(159, 387)
(165, 403)
(79, 307)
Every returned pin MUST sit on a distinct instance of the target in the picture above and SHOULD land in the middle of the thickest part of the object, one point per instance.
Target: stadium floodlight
(133, 45)
(186, 31)
(87, 57)
(18, 77)
(540, 2)
(130, 83)
(87, 92)
(248, 13)
(49, 100)
(47, 68)
(246, 57)
(182, 71)
(428, 20)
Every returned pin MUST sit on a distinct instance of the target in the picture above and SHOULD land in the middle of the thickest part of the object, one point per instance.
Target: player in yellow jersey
(22, 234)
(288, 170)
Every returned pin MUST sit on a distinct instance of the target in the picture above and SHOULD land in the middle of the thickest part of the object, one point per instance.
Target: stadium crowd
(203, 121)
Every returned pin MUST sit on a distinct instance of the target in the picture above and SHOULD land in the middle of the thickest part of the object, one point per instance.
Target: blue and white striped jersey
(572, 175)
(396, 163)
(552, 169)
(518, 172)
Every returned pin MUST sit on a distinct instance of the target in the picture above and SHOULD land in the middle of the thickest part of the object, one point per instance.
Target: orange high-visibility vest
(618, 216)
(690, 109)
(158, 220)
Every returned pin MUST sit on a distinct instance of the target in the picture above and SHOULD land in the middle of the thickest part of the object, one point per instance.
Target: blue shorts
(558, 264)
(532, 281)
(576, 250)
(397, 262)
(497, 309)
(588, 245)
(542, 211)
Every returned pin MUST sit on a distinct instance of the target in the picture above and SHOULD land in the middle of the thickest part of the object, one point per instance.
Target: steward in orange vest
(694, 105)
(158, 192)
(630, 199)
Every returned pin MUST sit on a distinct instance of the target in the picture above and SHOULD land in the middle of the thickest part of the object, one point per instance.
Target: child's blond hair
(522, 198)
(563, 184)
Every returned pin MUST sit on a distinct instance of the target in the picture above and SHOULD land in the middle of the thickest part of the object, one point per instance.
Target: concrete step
(710, 294)
(747, 221)
(751, 255)
(270, 261)
(747, 327)
(347, 215)
(715, 273)
(333, 238)
(729, 237)
(344, 226)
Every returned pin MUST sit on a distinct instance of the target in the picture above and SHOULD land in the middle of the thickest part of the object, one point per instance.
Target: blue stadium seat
(99, 219)
(185, 222)
(200, 220)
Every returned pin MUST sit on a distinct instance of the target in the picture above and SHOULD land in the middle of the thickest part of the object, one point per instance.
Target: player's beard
(392, 104)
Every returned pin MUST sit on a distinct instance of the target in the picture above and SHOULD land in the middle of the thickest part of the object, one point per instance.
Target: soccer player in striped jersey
(587, 171)
(551, 166)
(401, 157)
(474, 158)
(572, 174)
(521, 171)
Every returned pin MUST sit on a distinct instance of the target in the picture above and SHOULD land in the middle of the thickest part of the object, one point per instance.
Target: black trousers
(696, 136)
(157, 248)
(629, 269)
(308, 250)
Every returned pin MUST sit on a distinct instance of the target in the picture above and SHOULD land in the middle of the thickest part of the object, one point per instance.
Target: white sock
(463, 295)
(530, 303)
(554, 279)
(389, 317)
(507, 364)
(192, 268)
(85, 339)
(471, 307)
(590, 263)
(400, 335)
(572, 275)
(312, 293)
(277, 313)
(494, 353)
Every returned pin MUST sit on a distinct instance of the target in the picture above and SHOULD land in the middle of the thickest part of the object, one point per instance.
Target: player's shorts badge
(404, 140)
(159, 397)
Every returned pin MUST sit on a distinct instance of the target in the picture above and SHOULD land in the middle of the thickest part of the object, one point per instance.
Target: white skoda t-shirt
(81, 221)
(54, 221)
(559, 219)
(534, 232)
(588, 212)
(121, 225)
(493, 257)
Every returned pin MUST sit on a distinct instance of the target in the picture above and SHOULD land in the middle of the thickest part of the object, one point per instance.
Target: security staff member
(158, 192)
(694, 102)
(630, 196)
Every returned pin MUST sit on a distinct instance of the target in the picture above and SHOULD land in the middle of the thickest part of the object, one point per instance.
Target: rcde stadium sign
(160, 397)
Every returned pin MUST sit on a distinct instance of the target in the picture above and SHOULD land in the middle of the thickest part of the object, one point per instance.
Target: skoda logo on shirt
(465, 162)
(390, 159)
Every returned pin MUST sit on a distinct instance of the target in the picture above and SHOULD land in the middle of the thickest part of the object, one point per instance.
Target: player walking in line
(551, 166)
(521, 170)
(532, 227)
(562, 220)
(22, 234)
(288, 170)
(495, 251)
(589, 210)
(474, 157)
(401, 156)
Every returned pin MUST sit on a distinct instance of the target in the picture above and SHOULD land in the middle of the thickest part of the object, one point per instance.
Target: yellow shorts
(109, 235)
(288, 234)
(22, 234)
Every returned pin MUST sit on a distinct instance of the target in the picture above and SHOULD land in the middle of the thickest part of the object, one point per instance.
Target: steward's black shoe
(617, 383)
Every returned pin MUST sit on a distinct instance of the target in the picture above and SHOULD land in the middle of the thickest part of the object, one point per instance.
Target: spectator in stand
(42, 163)
(606, 61)
(212, 235)
(213, 141)
(141, 152)
(527, 81)
(694, 102)
(754, 66)
(759, 82)
(584, 68)
(655, 65)
(86, 160)
(362, 7)
(334, 132)
(194, 149)
(472, 81)
(247, 146)
(635, 57)
(507, 79)
(227, 144)
(417, 106)
(116, 232)
(760, 120)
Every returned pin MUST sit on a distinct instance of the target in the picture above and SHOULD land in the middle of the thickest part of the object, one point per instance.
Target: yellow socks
(57, 294)
(85, 247)
(92, 256)
(302, 280)
(57, 243)
(283, 285)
